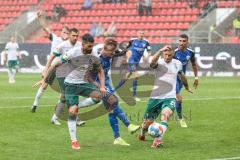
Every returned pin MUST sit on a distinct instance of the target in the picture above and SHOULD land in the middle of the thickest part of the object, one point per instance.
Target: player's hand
(39, 83)
(189, 90)
(195, 83)
(39, 14)
(165, 48)
(103, 91)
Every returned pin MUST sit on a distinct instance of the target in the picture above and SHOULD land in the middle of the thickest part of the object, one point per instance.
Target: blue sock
(114, 124)
(179, 109)
(134, 88)
(120, 84)
(121, 115)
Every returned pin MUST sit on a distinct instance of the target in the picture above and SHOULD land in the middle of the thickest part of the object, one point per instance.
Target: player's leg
(61, 103)
(58, 110)
(179, 104)
(38, 96)
(135, 83)
(168, 107)
(72, 99)
(117, 112)
(123, 81)
(11, 71)
(151, 113)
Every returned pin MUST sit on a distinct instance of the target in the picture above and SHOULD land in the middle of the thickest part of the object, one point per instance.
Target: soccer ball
(155, 130)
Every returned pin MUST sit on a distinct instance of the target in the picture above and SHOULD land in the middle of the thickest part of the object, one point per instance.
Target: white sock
(13, 73)
(86, 102)
(10, 74)
(38, 96)
(54, 117)
(72, 129)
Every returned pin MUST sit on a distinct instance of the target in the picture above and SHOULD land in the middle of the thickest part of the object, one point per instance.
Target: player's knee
(73, 110)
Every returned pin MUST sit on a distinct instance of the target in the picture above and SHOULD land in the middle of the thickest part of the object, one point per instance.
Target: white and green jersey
(62, 48)
(166, 79)
(79, 64)
(12, 51)
(55, 41)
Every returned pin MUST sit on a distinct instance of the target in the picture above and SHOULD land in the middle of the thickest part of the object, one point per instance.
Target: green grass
(213, 130)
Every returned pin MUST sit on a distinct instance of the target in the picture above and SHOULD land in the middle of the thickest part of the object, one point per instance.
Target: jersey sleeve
(17, 46)
(179, 66)
(148, 46)
(65, 57)
(7, 46)
(59, 50)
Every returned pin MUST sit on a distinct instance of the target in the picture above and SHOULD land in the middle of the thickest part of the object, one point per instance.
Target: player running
(106, 52)
(184, 54)
(55, 41)
(136, 46)
(163, 99)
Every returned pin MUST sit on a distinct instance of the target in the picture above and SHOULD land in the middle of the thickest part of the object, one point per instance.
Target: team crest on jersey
(188, 57)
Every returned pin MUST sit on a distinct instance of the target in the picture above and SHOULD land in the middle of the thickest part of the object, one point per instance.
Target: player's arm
(19, 56)
(43, 24)
(49, 62)
(184, 81)
(149, 52)
(101, 77)
(195, 70)
(49, 71)
(153, 63)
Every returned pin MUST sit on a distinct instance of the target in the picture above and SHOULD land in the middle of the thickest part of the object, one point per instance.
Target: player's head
(168, 54)
(183, 41)
(73, 35)
(87, 43)
(65, 33)
(13, 39)
(110, 46)
(140, 34)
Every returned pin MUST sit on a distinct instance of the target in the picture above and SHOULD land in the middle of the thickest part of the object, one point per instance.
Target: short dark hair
(184, 36)
(75, 30)
(87, 38)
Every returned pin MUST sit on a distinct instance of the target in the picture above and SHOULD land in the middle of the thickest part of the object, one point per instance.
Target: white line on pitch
(231, 158)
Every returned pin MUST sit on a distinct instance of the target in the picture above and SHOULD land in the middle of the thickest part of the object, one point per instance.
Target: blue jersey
(184, 57)
(137, 48)
(106, 63)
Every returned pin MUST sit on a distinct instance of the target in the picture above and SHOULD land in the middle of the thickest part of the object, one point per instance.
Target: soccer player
(55, 41)
(62, 71)
(184, 55)
(12, 56)
(81, 60)
(136, 46)
(106, 52)
(163, 99)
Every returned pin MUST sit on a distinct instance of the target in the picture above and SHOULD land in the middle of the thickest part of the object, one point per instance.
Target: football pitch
(212, 114)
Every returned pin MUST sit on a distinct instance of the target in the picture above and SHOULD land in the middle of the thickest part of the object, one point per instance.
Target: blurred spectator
(148, 7)
(208, 7)
(193, 3)
(58, 11)
(87, 5)
(236, 25)
(112, 30)
(93, 29)
(140, 7)
(100, 30)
